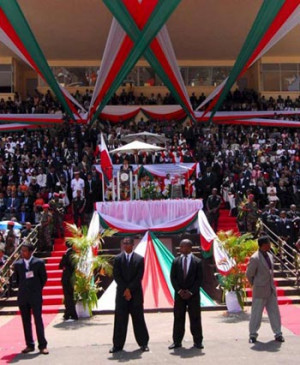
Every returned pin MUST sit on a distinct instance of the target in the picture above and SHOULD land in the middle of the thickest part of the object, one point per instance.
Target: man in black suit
(92, 195)
(213, 205)
(52, 178)
(68, 266)
(285, 230)
(30, 276)
(128, 273)
(186, 278)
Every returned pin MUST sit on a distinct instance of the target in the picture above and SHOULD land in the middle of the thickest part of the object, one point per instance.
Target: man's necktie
(184, 267)
(127, 260)
(267, 258)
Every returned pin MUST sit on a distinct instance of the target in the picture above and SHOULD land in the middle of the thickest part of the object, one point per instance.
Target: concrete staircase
(287, 290)
(226, 221)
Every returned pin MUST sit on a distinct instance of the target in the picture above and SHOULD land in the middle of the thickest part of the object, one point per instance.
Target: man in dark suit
(30, 276)
(26, 230)
(92, 195)
(286, 231)
(78, 207)
(52, 178)
(260, 275)
(209, 182)
(13, 204)
(128, 273)
(24, 215)
(68, 266)
(3, 204)
(199, 185)
(186, 278)
(213, 205)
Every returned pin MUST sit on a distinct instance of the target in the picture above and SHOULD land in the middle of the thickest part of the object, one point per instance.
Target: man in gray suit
(260, 275)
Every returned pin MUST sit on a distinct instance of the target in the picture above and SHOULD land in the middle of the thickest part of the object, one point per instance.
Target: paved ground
(225, 341)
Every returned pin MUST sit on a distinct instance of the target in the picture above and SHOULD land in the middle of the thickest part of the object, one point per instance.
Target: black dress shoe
(252, 339)
(44, 351)
(174, 346)
(199, 346)
(27, 350)
(114, 349)
(145, 348)
(279, 338)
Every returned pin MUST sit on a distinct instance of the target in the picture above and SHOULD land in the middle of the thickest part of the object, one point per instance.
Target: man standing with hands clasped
(186, 278)
(30, 276)
(128, 273)
(260, 275)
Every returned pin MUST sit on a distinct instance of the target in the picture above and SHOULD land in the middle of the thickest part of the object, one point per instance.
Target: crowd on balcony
(237, 100)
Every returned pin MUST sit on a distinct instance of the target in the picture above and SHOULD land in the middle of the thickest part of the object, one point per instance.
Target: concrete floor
(225, 342)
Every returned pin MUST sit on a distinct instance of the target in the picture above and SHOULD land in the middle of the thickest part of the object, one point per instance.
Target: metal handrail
(6, 270)
(293, 266)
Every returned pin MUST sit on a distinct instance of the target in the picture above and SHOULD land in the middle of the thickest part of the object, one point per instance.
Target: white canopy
(135, 147)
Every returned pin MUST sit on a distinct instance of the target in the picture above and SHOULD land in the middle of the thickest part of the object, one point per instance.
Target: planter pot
(81, 311)
(232, 303)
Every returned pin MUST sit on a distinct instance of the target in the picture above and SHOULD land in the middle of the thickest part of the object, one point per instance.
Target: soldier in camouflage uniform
(45, 239)
(251, 214)
(57, 208)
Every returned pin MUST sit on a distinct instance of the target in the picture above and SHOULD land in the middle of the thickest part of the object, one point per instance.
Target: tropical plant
(149, 192)
(240, 248)
(88, 264)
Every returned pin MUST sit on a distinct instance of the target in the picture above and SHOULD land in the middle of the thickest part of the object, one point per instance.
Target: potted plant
(234, 285)
(87, 264)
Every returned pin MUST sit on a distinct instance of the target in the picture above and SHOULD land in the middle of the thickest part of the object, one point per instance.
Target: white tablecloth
(151, 212)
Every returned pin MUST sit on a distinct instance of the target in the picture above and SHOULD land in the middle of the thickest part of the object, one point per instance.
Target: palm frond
(86, 263)
(239, 248)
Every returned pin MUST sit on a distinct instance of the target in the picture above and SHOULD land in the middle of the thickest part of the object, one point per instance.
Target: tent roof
(136, 146)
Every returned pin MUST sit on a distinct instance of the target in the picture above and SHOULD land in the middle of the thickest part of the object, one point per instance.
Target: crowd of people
(247, 99)
(46, 172)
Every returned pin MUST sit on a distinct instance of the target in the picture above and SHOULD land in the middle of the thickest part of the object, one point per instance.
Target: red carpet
(12, 339)
(11, 334)
(227, 222)
(290, 318)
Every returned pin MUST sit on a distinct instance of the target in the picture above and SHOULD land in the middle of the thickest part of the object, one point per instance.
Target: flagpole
(103, 192)
(113, 189)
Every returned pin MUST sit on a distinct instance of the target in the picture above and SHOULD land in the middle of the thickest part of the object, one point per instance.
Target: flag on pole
(105, 162)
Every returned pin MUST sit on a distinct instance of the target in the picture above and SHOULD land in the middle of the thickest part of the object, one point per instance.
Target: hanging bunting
(131, 52)
(160, 54)
(21, 28)
(271, 17)
(157, 287)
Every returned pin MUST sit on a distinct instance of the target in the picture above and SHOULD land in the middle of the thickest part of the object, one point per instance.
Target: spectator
(10, 239)
(77, 183)
(44, 237)
(25, 231)
(78, 207)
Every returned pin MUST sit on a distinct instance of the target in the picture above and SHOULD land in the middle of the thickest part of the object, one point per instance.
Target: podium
(176, 191)
(126, 181)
